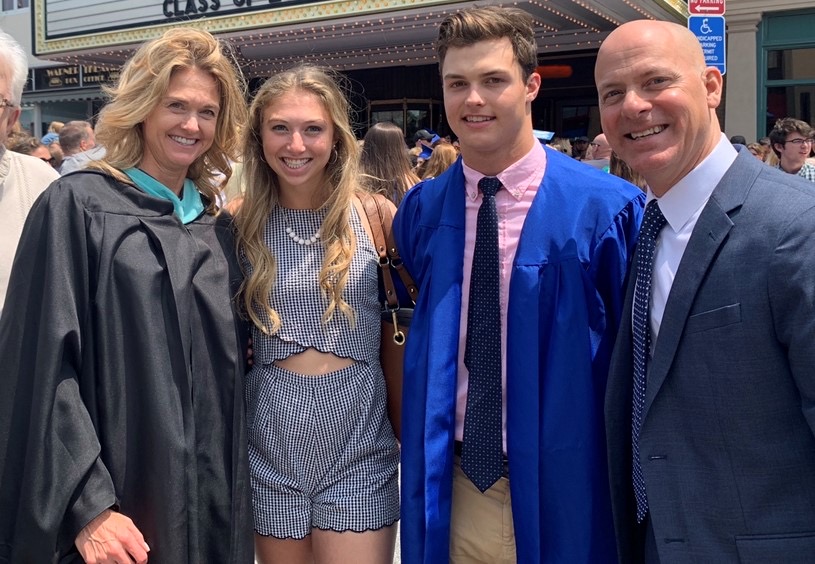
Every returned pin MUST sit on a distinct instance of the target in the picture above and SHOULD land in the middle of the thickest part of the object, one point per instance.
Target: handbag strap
(380, 217)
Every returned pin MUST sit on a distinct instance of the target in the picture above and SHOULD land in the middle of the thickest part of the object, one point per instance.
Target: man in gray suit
(710, 405)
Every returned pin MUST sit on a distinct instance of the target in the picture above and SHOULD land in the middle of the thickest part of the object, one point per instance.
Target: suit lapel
(708, 236)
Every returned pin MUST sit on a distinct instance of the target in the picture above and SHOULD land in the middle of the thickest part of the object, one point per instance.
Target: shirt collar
(688, 195)
(516, 178)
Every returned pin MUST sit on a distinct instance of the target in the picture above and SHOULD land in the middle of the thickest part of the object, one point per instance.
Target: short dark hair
(469, 26)
(784, 127)
(72, 134)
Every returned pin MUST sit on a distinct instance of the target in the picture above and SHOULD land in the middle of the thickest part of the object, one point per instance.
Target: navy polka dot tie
(652, 224)
(482, 454)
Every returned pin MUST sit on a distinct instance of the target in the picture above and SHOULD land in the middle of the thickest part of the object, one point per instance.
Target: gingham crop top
(299, 301)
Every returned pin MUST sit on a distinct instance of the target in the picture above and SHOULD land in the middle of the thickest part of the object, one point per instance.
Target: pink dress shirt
(521, 181)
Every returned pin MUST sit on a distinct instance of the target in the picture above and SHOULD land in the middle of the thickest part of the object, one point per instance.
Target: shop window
(410, 115)
(786, 68)
(790, 101)
(10, 5)
(791, 64)
(790, 81)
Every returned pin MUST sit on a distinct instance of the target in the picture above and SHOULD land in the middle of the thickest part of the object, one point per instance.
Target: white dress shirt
(682, 205)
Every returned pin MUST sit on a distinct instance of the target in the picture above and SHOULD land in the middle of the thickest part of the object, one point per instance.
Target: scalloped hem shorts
(322, 452)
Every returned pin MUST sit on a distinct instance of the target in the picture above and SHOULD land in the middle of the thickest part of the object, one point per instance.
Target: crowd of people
(611, 350)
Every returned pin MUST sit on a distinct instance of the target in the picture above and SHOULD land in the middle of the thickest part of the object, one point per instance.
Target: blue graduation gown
(565, 303)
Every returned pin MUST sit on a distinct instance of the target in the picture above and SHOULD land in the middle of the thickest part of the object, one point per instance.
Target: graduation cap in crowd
(543, 136)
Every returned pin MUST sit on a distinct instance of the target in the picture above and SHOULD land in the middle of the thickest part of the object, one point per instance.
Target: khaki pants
(481, 529)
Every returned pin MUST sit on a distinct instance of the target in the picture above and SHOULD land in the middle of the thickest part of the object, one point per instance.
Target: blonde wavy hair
(142, 84)
(263, 193)
(444, 155)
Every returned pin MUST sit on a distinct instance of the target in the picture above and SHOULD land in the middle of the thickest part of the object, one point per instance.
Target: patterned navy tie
(482, 454)
(652, 224)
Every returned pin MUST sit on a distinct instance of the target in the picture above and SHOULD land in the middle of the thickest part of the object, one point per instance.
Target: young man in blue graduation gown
(565, 235)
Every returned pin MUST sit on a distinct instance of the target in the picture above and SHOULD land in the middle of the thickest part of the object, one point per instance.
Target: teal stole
(187, 208)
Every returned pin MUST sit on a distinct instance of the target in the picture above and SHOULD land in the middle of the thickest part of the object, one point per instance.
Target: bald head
(657, 100)
(681, 42)
(600, 149)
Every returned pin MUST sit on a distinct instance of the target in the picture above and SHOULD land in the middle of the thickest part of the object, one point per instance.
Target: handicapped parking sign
(710, 32)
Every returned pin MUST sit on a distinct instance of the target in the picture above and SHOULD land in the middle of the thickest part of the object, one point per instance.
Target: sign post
(710, 32)
(706, 21)
(706, 7)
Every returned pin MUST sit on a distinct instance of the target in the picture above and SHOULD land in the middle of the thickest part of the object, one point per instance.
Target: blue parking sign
(710, 32)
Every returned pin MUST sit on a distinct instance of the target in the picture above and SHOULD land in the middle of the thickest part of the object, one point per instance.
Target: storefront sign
(93, 75)
(72, 76)
(52, 78)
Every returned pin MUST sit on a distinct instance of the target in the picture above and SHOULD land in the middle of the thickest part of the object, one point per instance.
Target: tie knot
(653, 221)
(489, 185)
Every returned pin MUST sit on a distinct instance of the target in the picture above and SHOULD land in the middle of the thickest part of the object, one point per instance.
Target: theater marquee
(64, 26)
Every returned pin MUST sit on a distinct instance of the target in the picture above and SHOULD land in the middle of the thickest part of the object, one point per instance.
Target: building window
(10, 5)
(790, 80)
(787, 68)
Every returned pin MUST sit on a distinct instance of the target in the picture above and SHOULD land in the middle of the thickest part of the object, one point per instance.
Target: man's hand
(111, 538)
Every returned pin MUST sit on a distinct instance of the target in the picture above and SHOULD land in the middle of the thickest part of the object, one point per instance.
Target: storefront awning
(341, 34)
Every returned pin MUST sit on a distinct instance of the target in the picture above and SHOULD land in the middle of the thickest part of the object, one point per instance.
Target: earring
(334, 155)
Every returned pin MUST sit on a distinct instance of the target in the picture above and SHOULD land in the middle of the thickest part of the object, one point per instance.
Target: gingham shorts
(321, 451)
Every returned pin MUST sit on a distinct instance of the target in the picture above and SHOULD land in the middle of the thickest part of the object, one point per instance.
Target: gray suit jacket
(728, 435)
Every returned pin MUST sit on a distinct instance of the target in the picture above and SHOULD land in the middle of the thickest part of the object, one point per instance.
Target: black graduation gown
(121, 379)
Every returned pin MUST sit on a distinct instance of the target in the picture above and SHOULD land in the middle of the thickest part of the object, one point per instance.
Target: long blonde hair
(142, 84)
(444, 155)
(263, 193)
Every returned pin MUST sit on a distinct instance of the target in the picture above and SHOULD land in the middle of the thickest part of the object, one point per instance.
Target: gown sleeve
(405, 229)
(53, 480)
(610, 265)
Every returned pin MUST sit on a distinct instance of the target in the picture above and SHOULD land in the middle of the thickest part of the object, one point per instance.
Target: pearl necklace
(299, 240)
(295, 237)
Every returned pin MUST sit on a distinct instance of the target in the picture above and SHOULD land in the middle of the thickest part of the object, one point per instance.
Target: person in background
(28, 145)
(618, 167)
(22, 177)
(580, 145)
(710, 418)
(78, 142)
(519, 253)
(599, 153)
(444, 155)
(758, 150)
(122, 423)
(738, 140)
(51, 142)
(52, 135)
(384, 164)
(423, 140)
(792, 143)
(49, 138)
(323, 455)
(56, 154)
(562, 145)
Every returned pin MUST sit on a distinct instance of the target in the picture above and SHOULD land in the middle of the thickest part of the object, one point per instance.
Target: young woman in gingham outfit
(323, 456)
